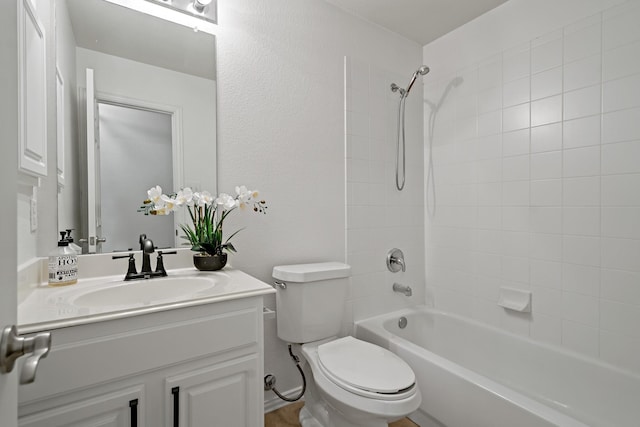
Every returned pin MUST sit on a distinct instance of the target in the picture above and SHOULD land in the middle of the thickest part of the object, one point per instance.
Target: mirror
(142, 90)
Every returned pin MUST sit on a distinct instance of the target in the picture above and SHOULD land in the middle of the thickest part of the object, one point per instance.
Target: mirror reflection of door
(135, 154)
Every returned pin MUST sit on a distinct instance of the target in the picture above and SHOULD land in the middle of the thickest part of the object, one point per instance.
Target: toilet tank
(312, 305)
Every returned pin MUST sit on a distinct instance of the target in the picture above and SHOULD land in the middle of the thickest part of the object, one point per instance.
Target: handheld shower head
(419, 72)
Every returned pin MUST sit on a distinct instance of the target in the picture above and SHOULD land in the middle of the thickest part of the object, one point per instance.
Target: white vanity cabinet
(192, 366)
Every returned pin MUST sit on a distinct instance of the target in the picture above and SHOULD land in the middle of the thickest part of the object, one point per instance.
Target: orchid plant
(207, 214)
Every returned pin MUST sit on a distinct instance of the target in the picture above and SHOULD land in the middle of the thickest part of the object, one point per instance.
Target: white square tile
(582, 102)
(514, 118)
(357, 170)
(357, 124)
(490, 217)
(621, 286)
(516, 63)
(516, 92)
(489, 147)
(547, 110)
(581, 191)
(515, 269)
(623, 222)
(546, 83)
(516, 142)
(621, 190)
(584, 42)
(623, 125)
(620, 318)
(515, 218)
(621, 254)
(515, 193)
(583, 221)
(582, 73)
(580, 308)
(546, 165)
(546, 273)
(490, 123)
(515, 168)
(547, 247)
(581, 250)
(515, 244)
(546, 138)
(490, 194)
(490, 73)
(490, 241)
(546, 56)
(490, 99)
(621, 93)
(622, 61)
(489, 170)
(547, 301)
(581, 279)
(581, 161)
(488, 265)
(546, 192)
(579, 337)
(546, 220)
(621, 157)
(581, 132)
(623, 27)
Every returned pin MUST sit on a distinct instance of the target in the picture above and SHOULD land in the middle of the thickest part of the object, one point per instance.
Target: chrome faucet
(403, 289)
(147, 248)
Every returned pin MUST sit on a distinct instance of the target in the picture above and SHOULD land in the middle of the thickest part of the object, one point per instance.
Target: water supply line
(400, 134)
(270, 381)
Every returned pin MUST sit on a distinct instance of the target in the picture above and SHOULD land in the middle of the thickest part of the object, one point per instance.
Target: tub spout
(403, 289)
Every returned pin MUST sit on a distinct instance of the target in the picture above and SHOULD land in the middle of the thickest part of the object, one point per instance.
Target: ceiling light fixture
(199, 5)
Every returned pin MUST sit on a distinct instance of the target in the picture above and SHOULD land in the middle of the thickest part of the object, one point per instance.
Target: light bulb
(199, 5)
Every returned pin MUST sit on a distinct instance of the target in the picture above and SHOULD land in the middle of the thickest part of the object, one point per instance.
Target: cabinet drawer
(71, 364)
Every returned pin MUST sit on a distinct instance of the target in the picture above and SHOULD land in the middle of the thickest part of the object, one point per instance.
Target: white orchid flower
(184, 197)
(154, 194)
(169, 203)
(203, 198)
(226, 201)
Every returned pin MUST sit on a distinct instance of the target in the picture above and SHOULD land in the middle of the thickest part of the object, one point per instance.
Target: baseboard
(273, 402)
(424, 420)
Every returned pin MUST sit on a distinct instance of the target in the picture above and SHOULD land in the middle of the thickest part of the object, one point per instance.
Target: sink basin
(146, 292)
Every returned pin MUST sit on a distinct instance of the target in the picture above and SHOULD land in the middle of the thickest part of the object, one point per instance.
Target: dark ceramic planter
(206, 262)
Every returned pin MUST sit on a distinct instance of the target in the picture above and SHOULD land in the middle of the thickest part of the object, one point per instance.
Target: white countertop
(46, 308)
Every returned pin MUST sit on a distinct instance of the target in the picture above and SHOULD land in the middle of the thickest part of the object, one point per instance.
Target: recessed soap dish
(515, 299)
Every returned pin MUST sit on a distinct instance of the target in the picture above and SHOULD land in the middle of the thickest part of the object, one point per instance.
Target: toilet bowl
(350, 383)
(355, 383)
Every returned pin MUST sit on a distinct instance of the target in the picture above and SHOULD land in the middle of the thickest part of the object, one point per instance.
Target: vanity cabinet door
(122, 408)
(223, 394)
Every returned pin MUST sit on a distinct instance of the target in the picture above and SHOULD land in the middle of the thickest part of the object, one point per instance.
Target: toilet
(350, 383)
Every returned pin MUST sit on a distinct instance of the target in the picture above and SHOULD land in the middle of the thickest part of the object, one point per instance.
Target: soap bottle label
(63, 270)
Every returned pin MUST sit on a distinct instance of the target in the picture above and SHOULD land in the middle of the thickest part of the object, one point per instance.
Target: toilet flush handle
(279, 285)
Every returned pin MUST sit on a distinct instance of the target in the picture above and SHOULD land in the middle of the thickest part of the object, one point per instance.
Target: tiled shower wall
(379, 217)
(536, 153)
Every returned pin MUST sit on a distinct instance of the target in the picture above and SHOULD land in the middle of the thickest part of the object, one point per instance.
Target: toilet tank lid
(311, 272)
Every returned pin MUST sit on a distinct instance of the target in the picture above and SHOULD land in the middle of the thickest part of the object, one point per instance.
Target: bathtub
(473, 375)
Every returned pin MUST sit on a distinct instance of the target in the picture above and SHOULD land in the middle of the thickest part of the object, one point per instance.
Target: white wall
(537, 173)
(281, 130)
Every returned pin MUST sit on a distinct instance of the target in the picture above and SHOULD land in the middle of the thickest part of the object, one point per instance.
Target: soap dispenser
(63, 264)
(77, 249)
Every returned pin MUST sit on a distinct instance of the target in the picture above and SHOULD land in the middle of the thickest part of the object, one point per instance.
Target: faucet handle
(160, 263)
(131, 270)
(395, 260)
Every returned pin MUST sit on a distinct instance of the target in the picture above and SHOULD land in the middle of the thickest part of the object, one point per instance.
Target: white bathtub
(473, 375)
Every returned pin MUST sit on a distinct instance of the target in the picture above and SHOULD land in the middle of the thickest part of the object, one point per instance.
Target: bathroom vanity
(189, 360)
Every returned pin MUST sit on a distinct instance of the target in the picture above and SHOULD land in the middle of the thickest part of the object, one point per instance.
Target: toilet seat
(366, 369)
